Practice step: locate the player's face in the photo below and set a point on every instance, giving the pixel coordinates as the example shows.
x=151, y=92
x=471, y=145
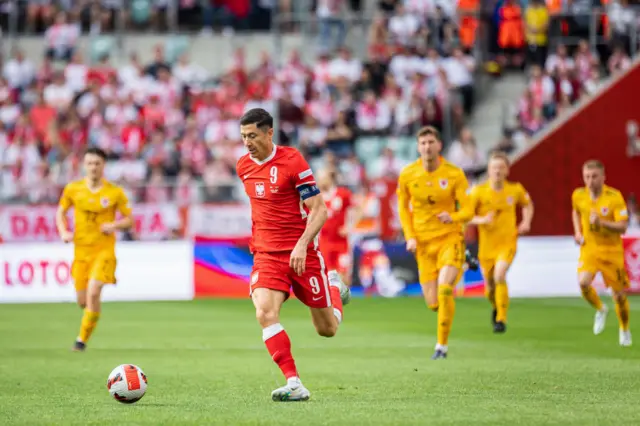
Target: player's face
x=324, y=180
x=429, y=147
x=93, y=166
x=257, y=141
x=593, y=178
x=498, y=170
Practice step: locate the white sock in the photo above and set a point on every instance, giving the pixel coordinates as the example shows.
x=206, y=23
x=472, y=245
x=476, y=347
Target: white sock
x=293, y=382
x=270, y=331
x=442, y=348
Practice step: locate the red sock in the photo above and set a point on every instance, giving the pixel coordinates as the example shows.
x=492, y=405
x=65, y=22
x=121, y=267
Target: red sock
x=336, y=302
x=279, y=347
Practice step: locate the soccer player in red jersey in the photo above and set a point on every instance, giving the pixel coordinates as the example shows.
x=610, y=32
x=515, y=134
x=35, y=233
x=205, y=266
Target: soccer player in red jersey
x=287, y=212
x=342, y=213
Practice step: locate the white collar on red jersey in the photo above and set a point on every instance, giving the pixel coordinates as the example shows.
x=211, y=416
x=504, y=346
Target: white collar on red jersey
x=266, y=160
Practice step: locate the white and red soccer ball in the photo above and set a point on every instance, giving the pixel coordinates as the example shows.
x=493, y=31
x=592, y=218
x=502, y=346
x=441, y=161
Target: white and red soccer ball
x=127, y=383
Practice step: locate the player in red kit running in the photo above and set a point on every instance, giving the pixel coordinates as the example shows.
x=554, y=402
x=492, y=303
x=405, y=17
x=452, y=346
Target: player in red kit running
x=334, y=235
x=287, y=212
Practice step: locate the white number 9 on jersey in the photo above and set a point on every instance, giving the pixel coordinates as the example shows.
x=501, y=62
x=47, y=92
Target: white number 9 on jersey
x=273, y=173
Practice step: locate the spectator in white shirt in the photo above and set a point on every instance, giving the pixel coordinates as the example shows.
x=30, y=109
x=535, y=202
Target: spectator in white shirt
x=75, y=73
x=402, y=66
x=403, y=26
x=61, y=38
x=386, y=165
x=345, y=66
x=559, y=61
x=58, y=94
x=329, y=12
x=372, y=115
x=19, y=71
x=188, y=73
x=459, y=68
x=465, y=154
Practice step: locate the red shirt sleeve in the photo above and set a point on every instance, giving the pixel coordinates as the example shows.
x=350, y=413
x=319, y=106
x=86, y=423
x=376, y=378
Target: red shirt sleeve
x=301, y=173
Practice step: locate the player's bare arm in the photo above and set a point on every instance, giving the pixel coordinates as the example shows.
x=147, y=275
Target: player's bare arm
x=527, y=217
x=466, y=210
x=118, y=225
x=619, y=226
x=61, y=223
x=406, y=217
x=483, y=220
x=316, y=218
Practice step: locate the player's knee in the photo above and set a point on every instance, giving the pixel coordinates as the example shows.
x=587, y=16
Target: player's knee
x=82, y=304
x=327, y=330
x=620, y=297
x=266, y=317
x=585, y=285
x=445, y=290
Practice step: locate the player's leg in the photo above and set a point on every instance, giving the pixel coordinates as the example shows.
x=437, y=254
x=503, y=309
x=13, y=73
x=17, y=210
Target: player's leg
x=102, y=272
x=428, y=276
x=487, y=268
x=615, y=277
x=450, y=261
x=587, y=270
x=501, y=290
x=80, y=273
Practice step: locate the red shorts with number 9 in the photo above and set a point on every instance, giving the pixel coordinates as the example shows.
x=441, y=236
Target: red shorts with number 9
x=272, y=271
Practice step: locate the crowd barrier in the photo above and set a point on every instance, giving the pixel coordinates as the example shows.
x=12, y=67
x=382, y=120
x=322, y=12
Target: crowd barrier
x=184, y=270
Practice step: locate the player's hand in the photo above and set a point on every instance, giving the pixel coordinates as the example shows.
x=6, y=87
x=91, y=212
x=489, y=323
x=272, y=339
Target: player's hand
x=67, y=236
x=445, y=217
x=108, y=228
x=343, y=232
x=298, y=258
x=488, y=219
x=594, y=219
x=524, y=228
x=578, y=238
x=412, y=245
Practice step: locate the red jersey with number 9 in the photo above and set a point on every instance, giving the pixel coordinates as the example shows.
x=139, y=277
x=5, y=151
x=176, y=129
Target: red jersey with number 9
x=278, y=215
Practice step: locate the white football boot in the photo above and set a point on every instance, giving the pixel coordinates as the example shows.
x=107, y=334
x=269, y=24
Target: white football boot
x=294, y=390
x=345, y=291
x=625, y=338
x=600, y=320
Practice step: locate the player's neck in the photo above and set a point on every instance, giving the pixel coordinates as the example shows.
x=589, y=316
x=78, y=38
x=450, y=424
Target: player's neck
x=595, y=194
x=267, y=154
x=431, y=165
x=92, y=184
x=496, y=185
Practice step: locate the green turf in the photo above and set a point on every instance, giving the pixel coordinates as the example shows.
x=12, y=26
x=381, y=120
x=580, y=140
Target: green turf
x=207, y=365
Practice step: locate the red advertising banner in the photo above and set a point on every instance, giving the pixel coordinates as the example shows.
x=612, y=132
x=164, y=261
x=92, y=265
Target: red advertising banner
x=632, y=262
x=602, y=129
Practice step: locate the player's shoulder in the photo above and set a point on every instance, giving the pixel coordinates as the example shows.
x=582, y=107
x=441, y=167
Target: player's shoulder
x=611, y=192
x=72, y=187
x=243, y=162
x=579, y=193
x=451, y=169
x=288, y=155
x=480, y=188
x=514, y=186
x=410, y=169
x=113, y=187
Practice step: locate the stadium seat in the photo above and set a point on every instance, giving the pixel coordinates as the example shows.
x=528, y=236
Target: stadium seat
x=140, y=11
x=368, y=148
x=404, y=148
x=174, y=47
x=101, y=46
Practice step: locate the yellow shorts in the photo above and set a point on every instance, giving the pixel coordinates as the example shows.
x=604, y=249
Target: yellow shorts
x=500, y=253
x=434, y=255
x=610, y=265
x=100, y=268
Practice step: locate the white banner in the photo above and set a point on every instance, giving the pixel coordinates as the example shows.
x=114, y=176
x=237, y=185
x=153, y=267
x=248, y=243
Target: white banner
x=31, y=273
x=219, y=221
x=38, y=223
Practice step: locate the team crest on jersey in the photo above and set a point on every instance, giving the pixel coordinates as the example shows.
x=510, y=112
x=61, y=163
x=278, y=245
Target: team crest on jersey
x=259, y=189
x=605, y=211
x=104, y=202
x=336, y=203
x=510, y=200
x=444, y=183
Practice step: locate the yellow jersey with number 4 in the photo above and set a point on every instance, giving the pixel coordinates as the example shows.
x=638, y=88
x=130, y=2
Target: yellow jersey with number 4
x=92, y=209
x=503, y=230
x=609, y=206
x=422, y=195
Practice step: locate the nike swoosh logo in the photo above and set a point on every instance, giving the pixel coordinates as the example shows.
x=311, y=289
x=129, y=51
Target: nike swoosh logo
x=315, y=299
x=246, y=176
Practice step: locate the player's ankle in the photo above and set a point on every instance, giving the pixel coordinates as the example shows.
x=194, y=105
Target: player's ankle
x=294, y=381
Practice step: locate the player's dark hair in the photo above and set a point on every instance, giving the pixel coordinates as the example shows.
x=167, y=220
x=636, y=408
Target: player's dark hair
x=429, y=131
x=258, y=116
x=96, y=151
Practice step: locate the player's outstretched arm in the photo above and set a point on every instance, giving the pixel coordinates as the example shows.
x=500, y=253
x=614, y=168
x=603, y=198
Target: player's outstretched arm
x=315, y=219
x=527, y=218
x=404, y=210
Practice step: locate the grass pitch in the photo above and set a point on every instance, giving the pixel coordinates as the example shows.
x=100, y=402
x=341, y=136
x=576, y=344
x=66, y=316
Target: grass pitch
x=207, y=365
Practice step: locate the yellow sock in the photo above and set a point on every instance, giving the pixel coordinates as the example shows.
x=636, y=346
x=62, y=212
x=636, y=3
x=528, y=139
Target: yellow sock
x=591, y=296
x=622, y=311
x=433, y=307
x=502, y=301
x=446, y=312
x=88, y=324
x=490, y=294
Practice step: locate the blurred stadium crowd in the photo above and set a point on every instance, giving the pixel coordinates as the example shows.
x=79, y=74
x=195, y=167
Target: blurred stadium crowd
x=171, y=129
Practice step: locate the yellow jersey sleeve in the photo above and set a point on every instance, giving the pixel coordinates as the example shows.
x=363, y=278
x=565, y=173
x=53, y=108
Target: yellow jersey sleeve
x=404, y=207
x=122, y=204
x=620, y=212
x=66, y=199
x=523, y=197
x=461, y=192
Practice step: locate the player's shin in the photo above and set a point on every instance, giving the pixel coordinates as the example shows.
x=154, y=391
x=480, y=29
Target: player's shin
x=591, y=295
x=501, y=301
x=88, y=324
x=335, y=288
x=446, y=312
x=279, y=347
x=622, y=311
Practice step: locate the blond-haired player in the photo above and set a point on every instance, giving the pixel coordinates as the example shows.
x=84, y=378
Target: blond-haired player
x=432, y=203
x=494, y=203
x=95, y=202
x=600, y=218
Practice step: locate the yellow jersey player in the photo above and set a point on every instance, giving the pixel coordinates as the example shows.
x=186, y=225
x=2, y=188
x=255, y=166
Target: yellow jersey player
x=95, y=202
x=428, y=192
x=600, y=218
x=494, y=203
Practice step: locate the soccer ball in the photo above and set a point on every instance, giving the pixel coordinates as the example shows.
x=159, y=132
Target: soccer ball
x=127, y=383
